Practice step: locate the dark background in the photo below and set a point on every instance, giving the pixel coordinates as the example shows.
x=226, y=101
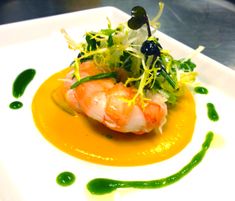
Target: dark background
x=194, y=22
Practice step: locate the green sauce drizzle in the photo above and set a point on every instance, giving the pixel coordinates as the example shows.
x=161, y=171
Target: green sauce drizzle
x=211, y=112
x=21, y=82
x=201, y=90
x=101, y=186
x=65, y=179
x=16, y=105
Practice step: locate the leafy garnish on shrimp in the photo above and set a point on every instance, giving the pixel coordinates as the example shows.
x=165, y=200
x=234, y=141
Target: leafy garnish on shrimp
x=123, y=77
x=132, y=49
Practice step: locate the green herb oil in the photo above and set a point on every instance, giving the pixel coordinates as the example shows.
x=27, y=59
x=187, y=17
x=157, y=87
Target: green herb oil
x=211, y=112
x=65, y=179
x=101, y=186
x=201, y=90
x=22, y=81
x=16, y=105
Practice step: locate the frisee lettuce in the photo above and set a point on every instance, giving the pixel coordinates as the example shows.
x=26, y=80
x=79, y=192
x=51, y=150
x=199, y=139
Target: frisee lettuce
x=147, y=69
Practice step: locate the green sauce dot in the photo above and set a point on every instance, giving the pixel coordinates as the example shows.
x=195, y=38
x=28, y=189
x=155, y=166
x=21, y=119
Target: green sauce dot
x=16, y=105
x=65, y=179
x=211, y=112
x=201, y=90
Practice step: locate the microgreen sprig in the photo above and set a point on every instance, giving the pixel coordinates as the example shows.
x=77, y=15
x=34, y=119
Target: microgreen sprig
x=138, y=19
x=151, y=49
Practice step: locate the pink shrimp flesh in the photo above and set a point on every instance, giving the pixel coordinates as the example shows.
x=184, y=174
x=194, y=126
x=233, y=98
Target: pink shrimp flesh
x=106, y=101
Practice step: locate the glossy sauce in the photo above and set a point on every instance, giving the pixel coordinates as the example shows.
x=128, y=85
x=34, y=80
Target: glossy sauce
x=101, y=186
x=22, y=81
x=16, y=105
x=65, y=178
x=201, y=90
x=89, y=140
x=19, y=85
x=211, y=112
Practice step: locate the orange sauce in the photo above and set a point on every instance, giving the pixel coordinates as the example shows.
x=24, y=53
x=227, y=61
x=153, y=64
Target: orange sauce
x=89, y=140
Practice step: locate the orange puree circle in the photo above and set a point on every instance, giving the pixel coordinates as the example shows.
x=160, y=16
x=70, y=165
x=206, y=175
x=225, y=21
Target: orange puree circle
x=91, y=141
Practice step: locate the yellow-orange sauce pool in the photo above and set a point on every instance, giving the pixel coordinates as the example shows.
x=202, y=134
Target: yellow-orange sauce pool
x=86, y=139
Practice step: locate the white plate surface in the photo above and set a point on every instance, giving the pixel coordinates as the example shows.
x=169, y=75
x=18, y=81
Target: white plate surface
x=29, y=164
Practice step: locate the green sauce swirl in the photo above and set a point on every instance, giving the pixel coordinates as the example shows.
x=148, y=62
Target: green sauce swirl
x=101, y=186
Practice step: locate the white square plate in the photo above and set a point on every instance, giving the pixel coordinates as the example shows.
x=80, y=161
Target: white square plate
x=29, y=164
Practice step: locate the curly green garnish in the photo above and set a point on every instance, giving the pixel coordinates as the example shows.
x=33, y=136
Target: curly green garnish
x=132, y=49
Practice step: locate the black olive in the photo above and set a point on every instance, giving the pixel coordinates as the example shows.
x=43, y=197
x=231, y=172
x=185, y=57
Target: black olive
x=150, y=47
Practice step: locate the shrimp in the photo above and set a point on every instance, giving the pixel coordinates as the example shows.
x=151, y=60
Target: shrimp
x=106, y=101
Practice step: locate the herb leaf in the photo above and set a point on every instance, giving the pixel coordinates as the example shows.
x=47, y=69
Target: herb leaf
x=110, y=41
x=91, y=42
x=138, y=19
x=186, y=66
